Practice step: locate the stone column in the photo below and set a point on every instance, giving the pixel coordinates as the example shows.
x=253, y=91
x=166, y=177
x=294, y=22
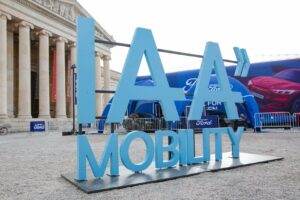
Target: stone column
x=60, y=78
x=24, y=70
x=44, y=86
x=10, y=74
x=98, y=82
x=73, y=61
x=106, y=97
x=3, y=64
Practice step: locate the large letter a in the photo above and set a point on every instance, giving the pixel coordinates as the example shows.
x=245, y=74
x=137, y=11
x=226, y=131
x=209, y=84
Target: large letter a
x=213, y=59
x=143, y=43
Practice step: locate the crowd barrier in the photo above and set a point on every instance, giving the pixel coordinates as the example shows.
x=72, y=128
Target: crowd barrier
x=144, y=124
x=152, y=124
x=296, y=120
x=283, y=120
x=273, y=120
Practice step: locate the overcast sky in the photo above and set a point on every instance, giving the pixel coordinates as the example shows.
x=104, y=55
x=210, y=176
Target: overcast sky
x=263, y=27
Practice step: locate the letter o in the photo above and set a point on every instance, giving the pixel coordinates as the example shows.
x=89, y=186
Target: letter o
x=125, y=147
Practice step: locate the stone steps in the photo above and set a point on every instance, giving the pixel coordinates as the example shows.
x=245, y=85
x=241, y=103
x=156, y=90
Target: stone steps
x=23, y=125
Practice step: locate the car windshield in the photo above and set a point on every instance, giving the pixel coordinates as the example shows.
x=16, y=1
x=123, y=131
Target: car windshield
x=289, y=75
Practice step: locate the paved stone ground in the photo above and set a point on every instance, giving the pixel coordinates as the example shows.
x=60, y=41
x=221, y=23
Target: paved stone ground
x=31, y=164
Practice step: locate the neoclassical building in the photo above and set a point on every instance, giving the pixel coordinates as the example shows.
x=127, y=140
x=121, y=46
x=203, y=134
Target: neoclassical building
x=37, y=49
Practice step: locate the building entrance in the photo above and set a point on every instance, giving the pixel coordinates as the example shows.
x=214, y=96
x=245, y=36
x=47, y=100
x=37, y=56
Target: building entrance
x=34, y=94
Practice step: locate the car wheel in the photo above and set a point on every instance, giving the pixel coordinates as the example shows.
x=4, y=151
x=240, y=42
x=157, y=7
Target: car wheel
x=3, y=131
x=296, y=106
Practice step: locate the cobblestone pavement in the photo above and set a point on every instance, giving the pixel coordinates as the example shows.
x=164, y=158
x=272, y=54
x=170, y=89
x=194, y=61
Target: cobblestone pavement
x=31, y=165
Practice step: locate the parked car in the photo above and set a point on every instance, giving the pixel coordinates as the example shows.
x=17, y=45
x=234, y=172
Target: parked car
x=280, y=92
x=4, y=128
x=143, y=121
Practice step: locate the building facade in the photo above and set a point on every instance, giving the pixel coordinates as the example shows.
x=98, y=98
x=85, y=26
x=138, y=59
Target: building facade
x=38, y=48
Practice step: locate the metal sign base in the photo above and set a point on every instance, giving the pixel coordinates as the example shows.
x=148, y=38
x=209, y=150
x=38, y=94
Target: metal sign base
x=151, y=174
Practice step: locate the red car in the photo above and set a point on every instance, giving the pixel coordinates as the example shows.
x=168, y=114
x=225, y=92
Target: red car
x=280, y=92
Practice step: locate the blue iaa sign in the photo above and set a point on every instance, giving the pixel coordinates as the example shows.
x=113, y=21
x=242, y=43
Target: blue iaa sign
x=181, y=145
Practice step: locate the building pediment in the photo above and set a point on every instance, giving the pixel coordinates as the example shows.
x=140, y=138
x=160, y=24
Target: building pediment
x=69, y=10
x=66, y=9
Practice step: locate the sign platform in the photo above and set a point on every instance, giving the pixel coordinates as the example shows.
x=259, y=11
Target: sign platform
x=151, y=174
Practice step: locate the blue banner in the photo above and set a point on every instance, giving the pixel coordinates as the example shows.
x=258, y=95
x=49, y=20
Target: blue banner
x=211, y=121
x=37, y=126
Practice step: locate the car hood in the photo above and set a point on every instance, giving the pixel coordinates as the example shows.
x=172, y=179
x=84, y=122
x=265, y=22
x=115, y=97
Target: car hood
x=275, y=83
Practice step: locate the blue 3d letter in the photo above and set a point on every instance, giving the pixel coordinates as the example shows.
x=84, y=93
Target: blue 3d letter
x=143, y=43
x=213, y=59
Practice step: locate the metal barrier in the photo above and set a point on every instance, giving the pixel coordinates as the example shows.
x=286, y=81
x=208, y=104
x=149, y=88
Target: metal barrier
x=296, y=120
x=144, y=124
x=152, y=124
x=272, y=120
x=262, y=120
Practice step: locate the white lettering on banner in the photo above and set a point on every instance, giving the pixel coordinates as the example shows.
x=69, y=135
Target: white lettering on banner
x=39, y=126
x=211, y=105
x=189, y=83
x=204, y=122
x=192, y=81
